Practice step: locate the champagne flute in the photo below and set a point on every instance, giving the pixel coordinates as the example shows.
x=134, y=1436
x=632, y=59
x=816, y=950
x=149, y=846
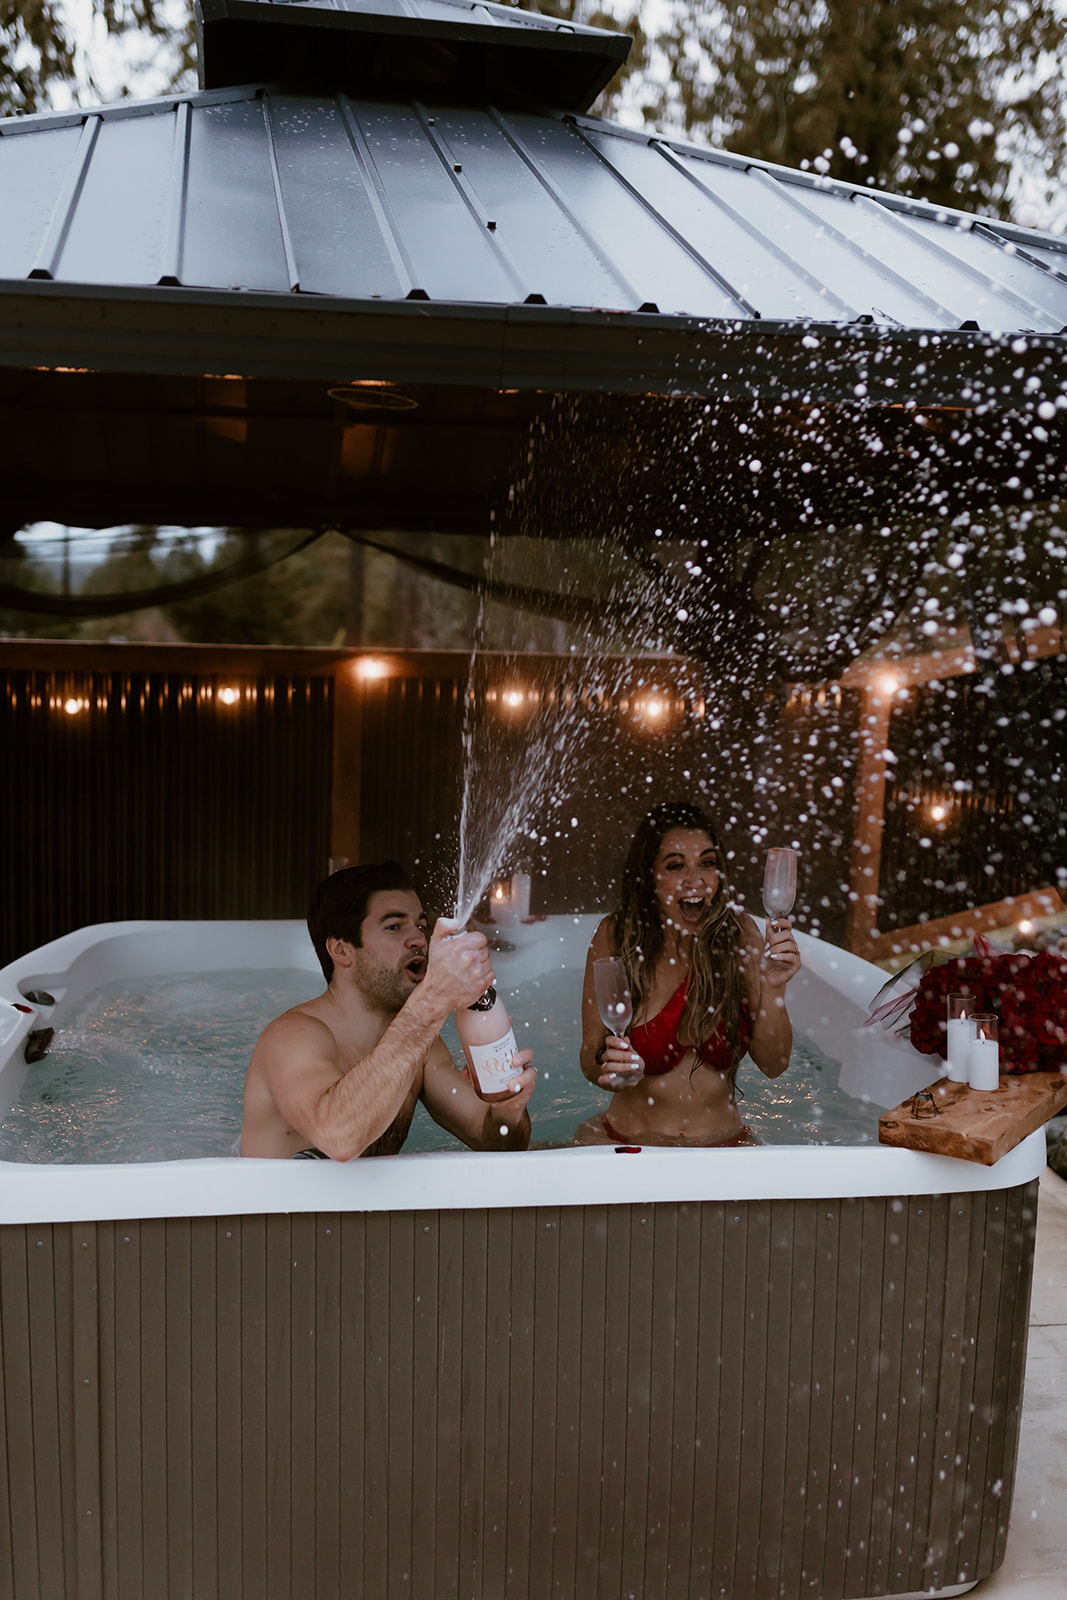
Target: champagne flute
x=615, y=1004
x=613, y=998
x=779, y=887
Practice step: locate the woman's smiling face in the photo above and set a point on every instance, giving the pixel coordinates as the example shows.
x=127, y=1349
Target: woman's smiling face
x=687, y=878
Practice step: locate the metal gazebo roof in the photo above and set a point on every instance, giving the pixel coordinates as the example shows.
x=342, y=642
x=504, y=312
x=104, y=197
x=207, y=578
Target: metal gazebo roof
x=413, y=195
x=464, y=48
x=488, y=240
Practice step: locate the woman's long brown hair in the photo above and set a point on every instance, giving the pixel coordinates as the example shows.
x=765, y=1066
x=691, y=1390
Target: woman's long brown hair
x=715, y=992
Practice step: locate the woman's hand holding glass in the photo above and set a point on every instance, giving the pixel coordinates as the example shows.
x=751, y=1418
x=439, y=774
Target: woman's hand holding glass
x=622, y=1065
x=781, y=958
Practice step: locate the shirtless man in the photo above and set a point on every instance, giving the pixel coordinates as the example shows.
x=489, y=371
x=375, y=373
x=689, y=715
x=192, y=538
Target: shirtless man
x=339, y=1076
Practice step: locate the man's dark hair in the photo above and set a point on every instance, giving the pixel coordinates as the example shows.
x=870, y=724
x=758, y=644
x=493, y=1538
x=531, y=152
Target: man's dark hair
x=339, y=904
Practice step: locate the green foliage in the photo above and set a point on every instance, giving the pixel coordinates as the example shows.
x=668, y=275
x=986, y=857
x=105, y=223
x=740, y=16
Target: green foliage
x=38, y=46
x=626, y=20
x=933, y=98
x=300, y=601
x=33, y=33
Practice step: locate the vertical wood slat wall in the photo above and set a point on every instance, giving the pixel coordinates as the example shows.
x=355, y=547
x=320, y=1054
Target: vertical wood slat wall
x=683, y=1402
x=155, y=798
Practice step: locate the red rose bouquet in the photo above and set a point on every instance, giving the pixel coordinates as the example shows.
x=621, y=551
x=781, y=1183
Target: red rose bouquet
x=1027, y=992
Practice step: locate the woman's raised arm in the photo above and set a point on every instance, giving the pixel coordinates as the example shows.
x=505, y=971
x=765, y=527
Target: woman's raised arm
x=765, y=979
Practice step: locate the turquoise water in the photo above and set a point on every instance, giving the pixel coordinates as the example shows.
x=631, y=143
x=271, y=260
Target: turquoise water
x=155, y=1073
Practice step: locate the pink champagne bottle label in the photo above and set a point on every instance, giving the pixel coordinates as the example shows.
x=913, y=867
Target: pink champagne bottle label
x=494, y=1063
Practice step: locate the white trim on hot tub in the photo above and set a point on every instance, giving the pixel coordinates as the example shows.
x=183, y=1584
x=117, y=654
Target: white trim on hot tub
x=462, y=1181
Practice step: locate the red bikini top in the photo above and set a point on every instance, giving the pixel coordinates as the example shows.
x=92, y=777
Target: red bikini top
x=656, y=1041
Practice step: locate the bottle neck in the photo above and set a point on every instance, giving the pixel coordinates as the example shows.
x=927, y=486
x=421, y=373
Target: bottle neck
x=486, y=1002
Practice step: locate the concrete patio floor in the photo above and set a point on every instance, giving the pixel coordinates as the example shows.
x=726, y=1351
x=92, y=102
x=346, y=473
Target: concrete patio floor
x=1035, y=1565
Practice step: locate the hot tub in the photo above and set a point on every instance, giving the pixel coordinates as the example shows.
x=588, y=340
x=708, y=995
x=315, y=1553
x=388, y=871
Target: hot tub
x=710, y=1375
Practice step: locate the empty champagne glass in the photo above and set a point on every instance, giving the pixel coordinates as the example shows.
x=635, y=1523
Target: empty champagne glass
x=613, y=998
x=779, y=886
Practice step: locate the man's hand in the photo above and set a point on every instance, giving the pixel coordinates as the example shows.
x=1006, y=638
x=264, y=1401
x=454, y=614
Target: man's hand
x=450, y=1098
x=507, y=1125
x=458, y=970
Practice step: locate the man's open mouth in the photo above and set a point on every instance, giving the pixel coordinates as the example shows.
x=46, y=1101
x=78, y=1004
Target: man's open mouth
x=416, y=967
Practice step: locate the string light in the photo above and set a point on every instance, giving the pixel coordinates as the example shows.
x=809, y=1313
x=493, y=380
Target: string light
x=370, y=667
x=229, y=695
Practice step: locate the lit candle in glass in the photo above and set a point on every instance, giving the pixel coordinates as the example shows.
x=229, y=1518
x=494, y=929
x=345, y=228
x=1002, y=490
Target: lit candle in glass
x=960, y=1033
x=500, y=900
x=985, y=1054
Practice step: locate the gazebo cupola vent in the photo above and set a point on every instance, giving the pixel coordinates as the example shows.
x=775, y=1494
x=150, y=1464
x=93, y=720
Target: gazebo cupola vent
x=458, y=50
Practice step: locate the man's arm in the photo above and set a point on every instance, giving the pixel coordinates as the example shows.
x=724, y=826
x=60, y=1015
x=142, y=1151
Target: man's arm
x=339, y=1112
x=342, y=1112
x=450, y=1099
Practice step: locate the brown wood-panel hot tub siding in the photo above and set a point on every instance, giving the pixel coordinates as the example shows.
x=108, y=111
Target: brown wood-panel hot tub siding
x=690, y=1401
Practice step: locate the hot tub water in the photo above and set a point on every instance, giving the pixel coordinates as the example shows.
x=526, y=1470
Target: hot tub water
x=155, y=1072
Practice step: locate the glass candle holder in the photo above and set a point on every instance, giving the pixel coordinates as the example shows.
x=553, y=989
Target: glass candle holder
x=960, y=1028
x=500, y=899
x=984, y=1070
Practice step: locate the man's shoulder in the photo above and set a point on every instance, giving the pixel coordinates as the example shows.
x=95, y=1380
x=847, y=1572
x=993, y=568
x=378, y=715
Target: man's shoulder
x=298, y=1028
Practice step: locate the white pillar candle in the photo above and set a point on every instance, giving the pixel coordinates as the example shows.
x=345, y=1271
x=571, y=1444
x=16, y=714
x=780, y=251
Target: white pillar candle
x=984, y=1070
x=520, y=895
x=500, y=900
x=960, y=1035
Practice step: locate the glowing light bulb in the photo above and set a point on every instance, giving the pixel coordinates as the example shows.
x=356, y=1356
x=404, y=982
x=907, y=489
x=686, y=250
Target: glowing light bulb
x=229, y=695
x=887, y=682
x=368, y=667
x=655, y=708
x=1026, y=926
x=73, y=706
x=938, y=813
x=513, y=697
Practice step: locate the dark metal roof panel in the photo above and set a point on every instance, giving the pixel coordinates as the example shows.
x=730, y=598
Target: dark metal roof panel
x=266, y=191
x=476, y=13
x=468, y=49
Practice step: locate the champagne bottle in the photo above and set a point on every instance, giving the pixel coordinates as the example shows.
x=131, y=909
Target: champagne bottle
x=489, y=1045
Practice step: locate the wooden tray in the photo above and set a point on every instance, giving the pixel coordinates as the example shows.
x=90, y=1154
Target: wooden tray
x=975, y=1124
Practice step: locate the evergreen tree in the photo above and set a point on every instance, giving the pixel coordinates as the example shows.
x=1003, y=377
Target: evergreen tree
x=34, y=34
x=38, y=47
x=624, y=19
x=933, y=98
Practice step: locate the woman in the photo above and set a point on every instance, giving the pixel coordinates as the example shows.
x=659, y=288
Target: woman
x=706, y=989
